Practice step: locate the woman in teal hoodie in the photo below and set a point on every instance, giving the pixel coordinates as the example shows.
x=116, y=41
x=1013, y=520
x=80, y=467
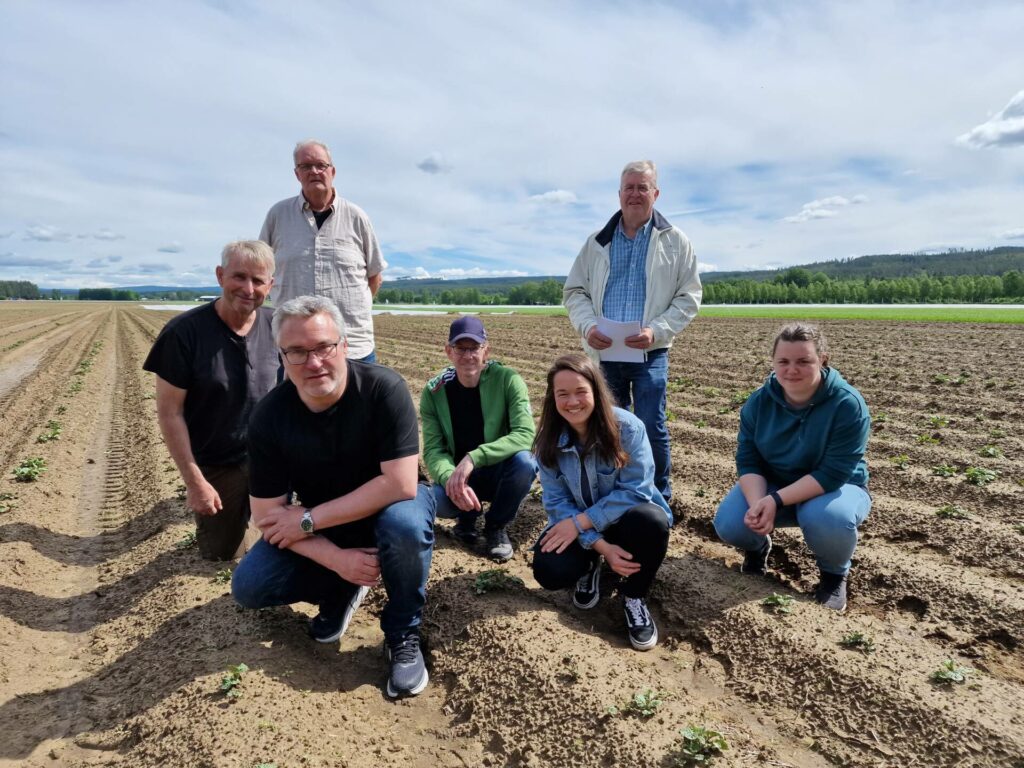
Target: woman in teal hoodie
x=800, y=458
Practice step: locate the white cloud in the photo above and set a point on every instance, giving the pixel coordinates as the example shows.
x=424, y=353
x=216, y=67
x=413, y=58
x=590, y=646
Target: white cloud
x=106, y=234
x=1003, y=129
x=702, y=267
x=46, y=233
x=825, y=208
x=1013, y=234
x=174, y=247
x=15, y=260
x=394, y=273
x=555, y=197
x=459, y=273
x=434, y=163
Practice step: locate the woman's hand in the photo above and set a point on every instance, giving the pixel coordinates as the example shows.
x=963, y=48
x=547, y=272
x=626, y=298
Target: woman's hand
x=619, y=560
x=760, y=518
x=559, y=536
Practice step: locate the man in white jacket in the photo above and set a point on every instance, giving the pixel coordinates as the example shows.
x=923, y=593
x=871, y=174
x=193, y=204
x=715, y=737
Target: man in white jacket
x=638, y=268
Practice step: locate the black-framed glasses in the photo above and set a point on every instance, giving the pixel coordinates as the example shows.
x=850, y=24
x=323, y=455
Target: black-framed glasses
x=467, y=350
x=307, y=167
x=320, y=352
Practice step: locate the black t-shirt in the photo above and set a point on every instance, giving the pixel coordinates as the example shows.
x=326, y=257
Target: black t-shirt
x=224, y=376
x=322, y=456
x=467, y=417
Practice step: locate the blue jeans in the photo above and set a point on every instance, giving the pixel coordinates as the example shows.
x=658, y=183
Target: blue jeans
x=504, y=484
x=370, y=358
x=640, y=387
x=829, y=523
x=404, y=534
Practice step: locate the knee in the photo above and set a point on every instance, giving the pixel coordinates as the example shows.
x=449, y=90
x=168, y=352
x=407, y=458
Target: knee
x=523, y=464
x=649, y=519
x=828, y=517
x=546, y=571
x=728, y=521
x=407, y=526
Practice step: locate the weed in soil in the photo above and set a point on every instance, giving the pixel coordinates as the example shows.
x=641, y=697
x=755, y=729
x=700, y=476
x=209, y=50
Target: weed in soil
x=929, y=439
x=949, y=672
x=938, y=422
x=944, y=470
x=902, y=461
x=952, y=512
x=643, y=704
x=188, y=540
x=496, y=580
x=980, y=476
x=700, y=745
x=858, y=641
x=29, y=470
x=222, y=576
x=53, y=433
x=990, y=452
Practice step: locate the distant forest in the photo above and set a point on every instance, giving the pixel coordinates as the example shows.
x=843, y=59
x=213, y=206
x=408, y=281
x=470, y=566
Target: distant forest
x=958, y=276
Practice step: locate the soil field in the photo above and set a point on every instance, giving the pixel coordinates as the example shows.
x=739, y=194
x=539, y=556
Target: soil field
x=115, y=636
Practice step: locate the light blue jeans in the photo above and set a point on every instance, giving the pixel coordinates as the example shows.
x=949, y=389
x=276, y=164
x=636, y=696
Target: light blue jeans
x=829, y=523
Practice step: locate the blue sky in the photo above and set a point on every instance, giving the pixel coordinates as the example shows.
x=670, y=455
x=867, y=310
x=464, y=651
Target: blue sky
x=486, y=139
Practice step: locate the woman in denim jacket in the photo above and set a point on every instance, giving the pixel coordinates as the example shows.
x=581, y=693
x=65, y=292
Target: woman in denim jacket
x=597, y=473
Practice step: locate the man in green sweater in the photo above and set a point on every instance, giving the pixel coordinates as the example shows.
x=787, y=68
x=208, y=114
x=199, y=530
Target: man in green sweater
x=477, y=434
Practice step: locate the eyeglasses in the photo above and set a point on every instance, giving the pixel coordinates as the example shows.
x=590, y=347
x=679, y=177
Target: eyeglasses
x=320, y=352
x=643, y=189
x=467, y=350
x=307, y=167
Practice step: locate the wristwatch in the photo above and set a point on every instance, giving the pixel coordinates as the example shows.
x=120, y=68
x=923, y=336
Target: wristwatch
x=307, y=520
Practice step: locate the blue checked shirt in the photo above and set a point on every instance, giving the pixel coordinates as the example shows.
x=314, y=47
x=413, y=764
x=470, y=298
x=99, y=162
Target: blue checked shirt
x=626, y=291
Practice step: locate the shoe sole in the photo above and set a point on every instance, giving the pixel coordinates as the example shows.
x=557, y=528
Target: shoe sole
x=353, y=606
x=645, y=646
x=416, y=689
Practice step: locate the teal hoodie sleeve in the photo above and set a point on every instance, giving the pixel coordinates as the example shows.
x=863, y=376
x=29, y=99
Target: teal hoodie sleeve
x=846, y=444
x=748, y=459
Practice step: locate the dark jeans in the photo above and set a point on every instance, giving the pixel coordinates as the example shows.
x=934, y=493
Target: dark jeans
x=504, y=485
x=640, y=387
x=404, y=534
x=642, y=531
x=219, y=536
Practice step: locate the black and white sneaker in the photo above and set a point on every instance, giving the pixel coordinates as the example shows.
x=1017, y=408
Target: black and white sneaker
x=588, y=588
x=407, y=675
x=755, y=561
x=330, y=624
x=643, y=635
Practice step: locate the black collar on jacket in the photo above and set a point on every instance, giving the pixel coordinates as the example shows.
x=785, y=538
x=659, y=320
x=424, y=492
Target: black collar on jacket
x=605, y=235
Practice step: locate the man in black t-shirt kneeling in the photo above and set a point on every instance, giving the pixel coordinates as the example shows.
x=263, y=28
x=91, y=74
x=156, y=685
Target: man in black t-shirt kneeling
x=342, y=435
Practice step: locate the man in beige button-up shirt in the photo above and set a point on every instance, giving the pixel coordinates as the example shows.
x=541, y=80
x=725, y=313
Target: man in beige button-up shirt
x=326, y=246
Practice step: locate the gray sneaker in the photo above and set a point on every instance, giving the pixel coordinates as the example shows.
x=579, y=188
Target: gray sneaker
x=330, y=624
x=498, y=546
x=407, y=675
x=831, y=591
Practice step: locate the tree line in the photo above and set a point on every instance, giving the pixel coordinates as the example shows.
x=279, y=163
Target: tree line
x=18, y=289
x=532, y=293
x=107, y=294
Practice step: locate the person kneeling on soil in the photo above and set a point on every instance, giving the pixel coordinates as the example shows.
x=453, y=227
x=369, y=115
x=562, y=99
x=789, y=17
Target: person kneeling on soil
x=212, y=365
x=342, y=435
x=477, y=434
x=800, y=458
x=597, y=474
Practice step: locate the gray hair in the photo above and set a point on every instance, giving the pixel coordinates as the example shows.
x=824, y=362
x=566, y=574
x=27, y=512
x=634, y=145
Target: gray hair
x=641, y=166
x=252, y=251
x=305, y=307
x=310, y=143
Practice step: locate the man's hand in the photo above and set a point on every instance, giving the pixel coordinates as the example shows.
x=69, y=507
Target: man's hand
x=598, y=340
x=282, y=526
x=619, y=560
x=458, y=490
x=760, y=518
x=359, y=565
x=642, y=340
x=202, y=498
x=559, y=536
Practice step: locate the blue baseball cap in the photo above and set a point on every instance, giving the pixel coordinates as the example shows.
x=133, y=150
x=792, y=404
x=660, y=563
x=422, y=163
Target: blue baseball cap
x=467, y=327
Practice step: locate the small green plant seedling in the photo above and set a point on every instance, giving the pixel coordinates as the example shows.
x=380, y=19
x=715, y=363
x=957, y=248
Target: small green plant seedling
x=642, y=704
x=938, y=422
x=902, y=461
x=723, y=410
x=944, y=470
x=701, y=423
x=700, y=493
x=699, y=746
x=997, y=433
x=61, y=410
x=52, y=433
x=940, y=378
x=980, y=476
x=990, y=452
x=949, y=672
x=951, y=512
x=29, y=470
x=4, y=506
x=265, y=765
x=881, y=417
x=231, y=682
x=779, y=603
x=222, y=576
x=928, y=439
x=740, y=398
x=1019, y=528
x=188, y=540
x=858, y=641
x=496, y=580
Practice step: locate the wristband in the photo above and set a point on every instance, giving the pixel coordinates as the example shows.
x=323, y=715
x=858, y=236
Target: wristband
x=777, y=499
x=577, y=524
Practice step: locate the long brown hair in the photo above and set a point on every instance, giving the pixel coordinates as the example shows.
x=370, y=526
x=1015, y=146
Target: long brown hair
x=602, y=428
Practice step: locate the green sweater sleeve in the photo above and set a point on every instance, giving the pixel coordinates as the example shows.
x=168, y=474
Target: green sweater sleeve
x=437, y=454
x=516, y=404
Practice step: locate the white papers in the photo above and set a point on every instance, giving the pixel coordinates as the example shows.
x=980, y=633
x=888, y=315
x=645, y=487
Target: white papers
x=618, y=352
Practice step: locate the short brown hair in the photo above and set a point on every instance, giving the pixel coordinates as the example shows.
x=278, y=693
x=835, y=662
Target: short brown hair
x=804, y=332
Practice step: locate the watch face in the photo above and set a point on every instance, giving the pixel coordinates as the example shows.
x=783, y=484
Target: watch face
x=307, y=522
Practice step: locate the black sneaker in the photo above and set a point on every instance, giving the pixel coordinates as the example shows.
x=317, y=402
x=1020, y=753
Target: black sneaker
x=467, y=534
x=755, y=561
x=498, y=546
x=831, y=591
x=330, y=624
x=643, y=635
x=588, y=588
x=408, y=673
